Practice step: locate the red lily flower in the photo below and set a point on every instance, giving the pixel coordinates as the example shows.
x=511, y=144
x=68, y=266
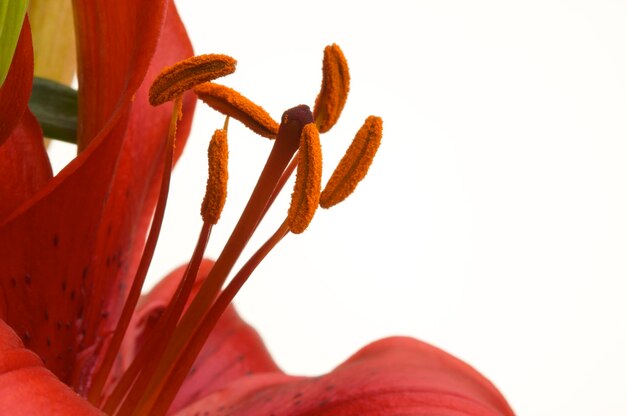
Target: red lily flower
x=71, y=247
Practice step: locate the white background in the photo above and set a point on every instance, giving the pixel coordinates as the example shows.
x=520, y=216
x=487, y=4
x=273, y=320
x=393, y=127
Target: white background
x=493, y=221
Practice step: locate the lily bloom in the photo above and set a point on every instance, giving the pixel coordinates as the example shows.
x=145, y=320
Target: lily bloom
x=75, y=338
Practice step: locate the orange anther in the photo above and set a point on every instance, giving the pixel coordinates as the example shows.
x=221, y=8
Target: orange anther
x=334, y=91
x=354, y=165
x=215, y=195
x=306, y=192
x=186, y=74
x=229, y=102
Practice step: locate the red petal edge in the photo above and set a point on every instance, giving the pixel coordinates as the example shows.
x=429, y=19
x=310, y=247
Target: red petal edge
x=28, y=388
x=15, y=91
x=25, y=165
x=394, y=376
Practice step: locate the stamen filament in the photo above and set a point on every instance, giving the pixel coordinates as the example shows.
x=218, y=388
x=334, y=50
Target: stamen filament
x=162, y=400
x=102, y=373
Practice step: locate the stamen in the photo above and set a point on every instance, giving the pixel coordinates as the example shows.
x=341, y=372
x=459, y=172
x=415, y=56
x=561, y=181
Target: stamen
x=354, y=165
x=306, y=193
x=215, y=195
x=186, y=74
x=334, y=91
x=229, y=102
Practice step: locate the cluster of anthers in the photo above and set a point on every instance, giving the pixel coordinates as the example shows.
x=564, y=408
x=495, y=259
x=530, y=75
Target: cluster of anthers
x=151, y=382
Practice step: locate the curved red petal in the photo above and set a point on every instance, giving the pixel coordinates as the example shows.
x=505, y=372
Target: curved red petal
x=233, y=350
x=28, y=388
x=394, y=376
x=69, y=252
x=25, y=164
x=15, y=91
x=116, y=40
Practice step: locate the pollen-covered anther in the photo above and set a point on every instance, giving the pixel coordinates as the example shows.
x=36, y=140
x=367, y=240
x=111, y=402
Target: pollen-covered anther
x=215, y=195
x=355, y=163
x=306, y=192
x=229, y=102
x=334, y=91
x=186, y=74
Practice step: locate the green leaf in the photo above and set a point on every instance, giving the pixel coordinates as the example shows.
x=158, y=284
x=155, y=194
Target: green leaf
x=12, y=14
x=56, y=107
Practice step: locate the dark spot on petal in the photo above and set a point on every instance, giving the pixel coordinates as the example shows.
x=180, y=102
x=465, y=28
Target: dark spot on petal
x=46, y=316
x=297, y=402
x=28, y=279
x=72, y=294
x=48, y=341
x=59, y=325
x=322, y=403
x=55, y=240
x=104, y=314
x=329, y=387
x=13, y=282
x=26, y=337
x=64, y=285
x=85, y=271
x=68, y=325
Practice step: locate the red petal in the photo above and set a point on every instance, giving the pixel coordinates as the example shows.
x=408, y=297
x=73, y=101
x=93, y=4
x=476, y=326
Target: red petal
x=28, y=388
x=116, y=40
x=68, y=253
x=25, y=164
x=233, y=350
x=395, y=376
x=15, y=91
